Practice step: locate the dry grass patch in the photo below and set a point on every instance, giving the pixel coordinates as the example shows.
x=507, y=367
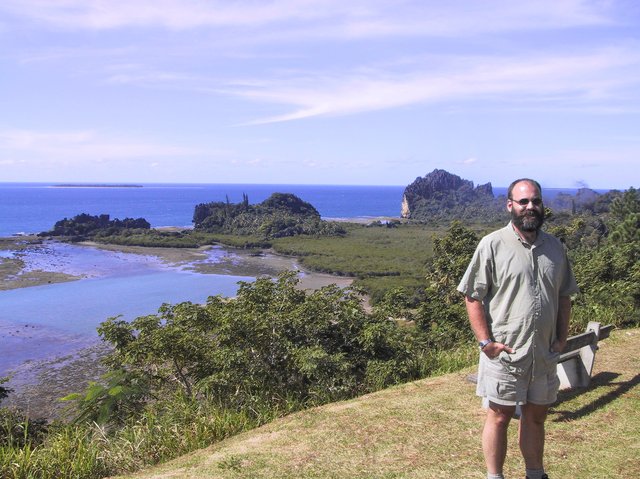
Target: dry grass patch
x=431, y=429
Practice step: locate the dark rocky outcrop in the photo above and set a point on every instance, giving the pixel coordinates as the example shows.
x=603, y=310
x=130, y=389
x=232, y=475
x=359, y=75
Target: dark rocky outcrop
x=440, y=192
x=84, y=226
x=280, y=215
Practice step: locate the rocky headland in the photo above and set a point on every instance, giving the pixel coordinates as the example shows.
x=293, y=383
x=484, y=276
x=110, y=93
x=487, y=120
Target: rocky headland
x=440, y=192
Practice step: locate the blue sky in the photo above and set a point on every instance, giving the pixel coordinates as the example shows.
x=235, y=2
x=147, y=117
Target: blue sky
x=320, y=91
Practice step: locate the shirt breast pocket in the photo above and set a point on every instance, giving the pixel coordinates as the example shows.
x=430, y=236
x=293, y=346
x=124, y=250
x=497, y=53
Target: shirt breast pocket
x=550, y=270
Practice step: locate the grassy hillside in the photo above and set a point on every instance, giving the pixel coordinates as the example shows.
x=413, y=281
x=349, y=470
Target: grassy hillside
x=430, y=429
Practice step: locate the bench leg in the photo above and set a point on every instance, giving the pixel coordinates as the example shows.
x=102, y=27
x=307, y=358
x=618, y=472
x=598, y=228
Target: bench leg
x=576, y=372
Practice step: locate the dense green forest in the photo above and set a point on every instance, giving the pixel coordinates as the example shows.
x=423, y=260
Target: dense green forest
x=193, y=374
x=85, y=226
x=280, y=215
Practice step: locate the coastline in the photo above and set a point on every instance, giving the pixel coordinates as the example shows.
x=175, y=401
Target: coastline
x=38, y=385
x=237, y=262
x=13, y=273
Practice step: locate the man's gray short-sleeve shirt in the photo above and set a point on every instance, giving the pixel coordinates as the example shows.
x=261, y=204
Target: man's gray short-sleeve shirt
x=520, y=286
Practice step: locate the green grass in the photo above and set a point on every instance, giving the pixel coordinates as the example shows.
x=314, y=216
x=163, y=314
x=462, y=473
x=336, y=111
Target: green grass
x=431, y=429
x=183, y=239
x=85, y=451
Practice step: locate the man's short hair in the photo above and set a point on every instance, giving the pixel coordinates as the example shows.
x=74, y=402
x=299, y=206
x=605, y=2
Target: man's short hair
x=526, y=180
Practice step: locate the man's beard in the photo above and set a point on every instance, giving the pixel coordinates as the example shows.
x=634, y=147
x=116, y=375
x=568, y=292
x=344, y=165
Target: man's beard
x=528, y=220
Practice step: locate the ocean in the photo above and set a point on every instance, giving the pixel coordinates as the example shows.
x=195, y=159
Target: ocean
x=35, y=207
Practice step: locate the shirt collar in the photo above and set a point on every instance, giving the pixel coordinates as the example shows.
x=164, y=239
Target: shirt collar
x=539, y=237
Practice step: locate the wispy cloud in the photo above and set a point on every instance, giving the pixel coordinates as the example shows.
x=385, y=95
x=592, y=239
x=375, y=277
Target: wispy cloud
x=355, y=86
x=195, y=68
x=83, y=146
x=356, y=18
x=602, y=164
x=552, y=81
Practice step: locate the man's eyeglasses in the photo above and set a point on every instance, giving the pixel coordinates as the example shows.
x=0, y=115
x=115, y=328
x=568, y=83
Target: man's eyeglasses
x=525, y=201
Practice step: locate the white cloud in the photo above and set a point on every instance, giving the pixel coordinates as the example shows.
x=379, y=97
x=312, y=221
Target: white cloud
x=171, y=14
x=205, y=64
x=8, y=162
x=552, y=81
x=356, y=18
x=82, y=146
x=601, y=165
x=343, y=90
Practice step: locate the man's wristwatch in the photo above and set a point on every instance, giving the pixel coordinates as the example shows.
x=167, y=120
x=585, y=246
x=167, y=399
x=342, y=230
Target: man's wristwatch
x=484, y=342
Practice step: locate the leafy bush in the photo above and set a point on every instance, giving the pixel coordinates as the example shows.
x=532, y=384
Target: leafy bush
x=18, y=430
x=270, y=343
x=609, y=281
x=443, y=314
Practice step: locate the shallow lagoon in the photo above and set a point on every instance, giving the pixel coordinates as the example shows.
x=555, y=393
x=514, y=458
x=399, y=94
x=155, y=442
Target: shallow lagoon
x=57, y=319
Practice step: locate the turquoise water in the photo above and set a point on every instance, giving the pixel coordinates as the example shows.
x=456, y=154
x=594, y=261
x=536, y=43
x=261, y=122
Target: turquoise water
x=45, y=321
x=51, y=320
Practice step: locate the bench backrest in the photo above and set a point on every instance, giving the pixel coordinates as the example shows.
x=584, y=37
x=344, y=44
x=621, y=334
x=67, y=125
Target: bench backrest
x=587, y=338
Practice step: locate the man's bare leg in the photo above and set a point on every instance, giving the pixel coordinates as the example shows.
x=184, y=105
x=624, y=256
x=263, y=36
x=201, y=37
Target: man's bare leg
x=532, y=434
x=494, y=436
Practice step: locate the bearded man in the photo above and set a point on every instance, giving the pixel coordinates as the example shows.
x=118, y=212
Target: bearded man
x=517, y=293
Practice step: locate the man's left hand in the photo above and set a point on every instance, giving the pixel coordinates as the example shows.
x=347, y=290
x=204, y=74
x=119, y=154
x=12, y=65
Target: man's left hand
x=558, y=346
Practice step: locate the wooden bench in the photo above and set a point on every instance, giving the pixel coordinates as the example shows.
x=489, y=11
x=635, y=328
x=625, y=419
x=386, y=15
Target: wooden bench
x=576, y=362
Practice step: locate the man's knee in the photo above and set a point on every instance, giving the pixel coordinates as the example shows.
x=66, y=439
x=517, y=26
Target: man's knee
x=534, y=413
x=500, y=415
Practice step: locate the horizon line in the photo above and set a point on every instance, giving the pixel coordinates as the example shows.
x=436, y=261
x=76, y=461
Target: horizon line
x=94, y=184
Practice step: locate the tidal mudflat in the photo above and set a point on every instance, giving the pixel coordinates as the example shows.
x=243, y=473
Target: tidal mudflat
x=54, y=295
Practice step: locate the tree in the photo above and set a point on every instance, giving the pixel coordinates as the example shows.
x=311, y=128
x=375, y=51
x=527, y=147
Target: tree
x=442, y=314
x=270, y=344
x=84, y=225
x=625, y=211
x=280, y=215
x=626, y=204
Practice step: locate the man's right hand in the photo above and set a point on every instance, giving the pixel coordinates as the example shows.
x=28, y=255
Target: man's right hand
x=493, y=350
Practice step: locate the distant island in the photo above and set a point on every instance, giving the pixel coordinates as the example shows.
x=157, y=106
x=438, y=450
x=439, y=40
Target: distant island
x=95, y=186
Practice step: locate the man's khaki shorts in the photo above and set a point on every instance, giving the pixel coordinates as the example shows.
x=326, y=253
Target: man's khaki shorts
x=498, y=385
